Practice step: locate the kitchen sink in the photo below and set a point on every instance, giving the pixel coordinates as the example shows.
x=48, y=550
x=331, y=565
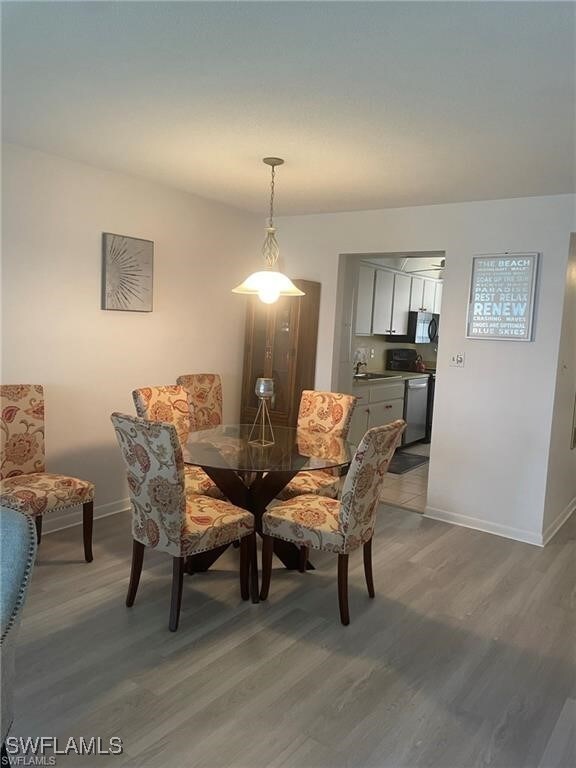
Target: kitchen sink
x=373, y=376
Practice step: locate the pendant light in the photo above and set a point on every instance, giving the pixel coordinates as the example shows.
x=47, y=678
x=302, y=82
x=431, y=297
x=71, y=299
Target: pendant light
x=268, y=284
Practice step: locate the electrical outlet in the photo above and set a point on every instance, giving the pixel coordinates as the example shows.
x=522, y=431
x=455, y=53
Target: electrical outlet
x=457, y=360
x=372, y=353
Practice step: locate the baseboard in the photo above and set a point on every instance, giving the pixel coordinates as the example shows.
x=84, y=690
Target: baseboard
x=507, y=532
x=555, y=525
x=73, y=515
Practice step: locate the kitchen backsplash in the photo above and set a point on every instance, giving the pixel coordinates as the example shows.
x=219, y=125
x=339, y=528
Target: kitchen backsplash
x=363, y=345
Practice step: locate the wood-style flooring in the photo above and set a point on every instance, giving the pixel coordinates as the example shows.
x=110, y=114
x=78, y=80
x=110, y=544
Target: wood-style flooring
x=464, y=659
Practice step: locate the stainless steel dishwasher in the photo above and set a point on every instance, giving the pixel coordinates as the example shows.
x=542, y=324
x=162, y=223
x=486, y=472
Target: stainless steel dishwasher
x=415, y=409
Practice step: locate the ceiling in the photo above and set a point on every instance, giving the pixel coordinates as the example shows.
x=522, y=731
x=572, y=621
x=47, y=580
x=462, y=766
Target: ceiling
x=373, y=105
x=422, y=263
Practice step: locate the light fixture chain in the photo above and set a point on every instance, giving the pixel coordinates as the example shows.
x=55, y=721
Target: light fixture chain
x=271, y=219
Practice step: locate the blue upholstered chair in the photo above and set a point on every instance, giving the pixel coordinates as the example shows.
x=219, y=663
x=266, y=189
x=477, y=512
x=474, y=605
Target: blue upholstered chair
x=17, y=553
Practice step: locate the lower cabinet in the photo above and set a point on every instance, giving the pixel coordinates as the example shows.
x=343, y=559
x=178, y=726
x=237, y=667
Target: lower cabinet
x=377, y=404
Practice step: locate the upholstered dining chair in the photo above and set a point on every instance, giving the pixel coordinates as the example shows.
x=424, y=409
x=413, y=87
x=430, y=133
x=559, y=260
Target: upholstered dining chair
x=24, y=483
x=326, y=413
x=337, y=526
x=204, y=397
x=17, y=552
x=167, y=517
x=170, y=404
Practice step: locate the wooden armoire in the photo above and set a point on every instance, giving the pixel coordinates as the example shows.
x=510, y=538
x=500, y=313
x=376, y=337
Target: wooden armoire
x=280, y=344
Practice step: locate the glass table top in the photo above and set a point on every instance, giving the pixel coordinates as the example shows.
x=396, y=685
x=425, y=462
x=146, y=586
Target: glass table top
x=229, y=447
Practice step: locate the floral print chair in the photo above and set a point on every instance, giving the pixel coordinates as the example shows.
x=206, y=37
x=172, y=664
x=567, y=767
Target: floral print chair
x=24, y=483
x=167, y=517
x=337, y=526
x=325, y=413
x=170, y=404
x=204, y=397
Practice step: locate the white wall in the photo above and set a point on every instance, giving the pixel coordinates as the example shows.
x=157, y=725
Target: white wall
x=561, y=487
x=54, y=332
x=493, y=419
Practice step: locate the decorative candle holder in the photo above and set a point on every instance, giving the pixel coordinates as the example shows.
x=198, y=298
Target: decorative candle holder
x=262, y=427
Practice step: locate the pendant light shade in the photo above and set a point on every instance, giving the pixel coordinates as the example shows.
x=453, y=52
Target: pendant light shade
x=269, y=284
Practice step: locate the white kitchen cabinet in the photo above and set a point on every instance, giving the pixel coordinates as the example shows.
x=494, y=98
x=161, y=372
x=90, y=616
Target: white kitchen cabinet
x=428, y=297
x=416, y=294
x=391, y=303
x=401, y=304
x=364, y=300
x=438, y=298
x=358, y=423
x=385, y=412
x=377, y=404
x=383, y=298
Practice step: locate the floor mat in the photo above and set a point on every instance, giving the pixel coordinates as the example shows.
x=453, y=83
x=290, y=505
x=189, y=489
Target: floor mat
x=404, y=462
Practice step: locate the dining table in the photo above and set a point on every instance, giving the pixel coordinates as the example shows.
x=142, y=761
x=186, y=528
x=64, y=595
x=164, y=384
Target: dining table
x=251, y=474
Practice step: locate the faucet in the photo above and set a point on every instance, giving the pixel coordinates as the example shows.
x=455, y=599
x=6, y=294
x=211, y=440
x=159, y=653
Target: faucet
x=357, y=367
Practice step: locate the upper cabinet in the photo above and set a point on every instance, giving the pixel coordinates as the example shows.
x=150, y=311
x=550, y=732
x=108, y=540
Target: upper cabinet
x=428, y=297
x=391, y=303
x=417, y=294
x=401, y=304
x=364, y=300
x=438, y=298
x=385, y=298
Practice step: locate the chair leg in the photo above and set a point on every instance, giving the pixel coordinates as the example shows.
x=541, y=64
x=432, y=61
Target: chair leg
x=267, y=552
x=136, y=570
x=254, y=588
x=244, y=568
x=368, y=568
x=38, y=523
x=343, y=589
x=177, y=582
x=87, y=522
x=303, y=559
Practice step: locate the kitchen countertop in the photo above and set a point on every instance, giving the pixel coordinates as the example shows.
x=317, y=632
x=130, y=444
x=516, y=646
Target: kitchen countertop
x=389, y=376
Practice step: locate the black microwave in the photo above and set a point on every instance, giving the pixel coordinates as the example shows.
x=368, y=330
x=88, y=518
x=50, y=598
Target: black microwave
x=423, y=327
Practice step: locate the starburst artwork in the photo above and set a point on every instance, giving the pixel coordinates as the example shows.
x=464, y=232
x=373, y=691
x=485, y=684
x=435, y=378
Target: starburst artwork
x=127, y=273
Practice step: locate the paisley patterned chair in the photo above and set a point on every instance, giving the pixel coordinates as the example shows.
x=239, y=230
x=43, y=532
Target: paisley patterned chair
x=337, y=526
x=166, y=516
x=24, y=483
x=170, y=404
x=204, y=397
x=204, y=392
x=324, y=413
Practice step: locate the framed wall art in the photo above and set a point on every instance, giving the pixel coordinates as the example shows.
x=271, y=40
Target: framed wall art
x=502, y=291
x=127, y=273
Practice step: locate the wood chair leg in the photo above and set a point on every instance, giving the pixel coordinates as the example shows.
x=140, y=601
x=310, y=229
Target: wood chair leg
x=303, y=559
x=368, y=568
x=38, y=523
x=343, y=589
x=87, y=523
x=267, y=552
x=135, y=571
x=177, y=582
x=244, y=568
x=254, y=587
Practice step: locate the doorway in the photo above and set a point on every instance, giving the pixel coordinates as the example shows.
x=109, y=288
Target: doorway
x=381, y=299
